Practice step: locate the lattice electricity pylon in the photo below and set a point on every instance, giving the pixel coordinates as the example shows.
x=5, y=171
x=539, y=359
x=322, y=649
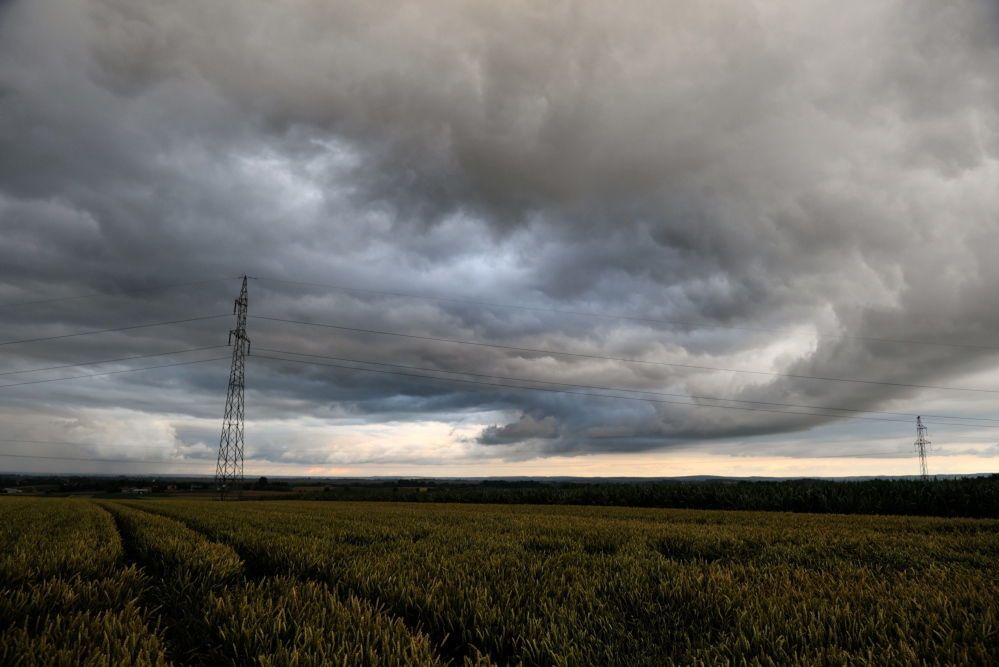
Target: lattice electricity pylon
x=921, y=445
x=229, y=471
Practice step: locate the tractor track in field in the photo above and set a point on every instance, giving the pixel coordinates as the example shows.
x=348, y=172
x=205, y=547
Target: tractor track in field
x=446, y=651
x=147, y=598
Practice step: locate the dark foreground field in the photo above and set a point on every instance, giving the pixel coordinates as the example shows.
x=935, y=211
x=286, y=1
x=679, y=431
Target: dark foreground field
x=298, y=583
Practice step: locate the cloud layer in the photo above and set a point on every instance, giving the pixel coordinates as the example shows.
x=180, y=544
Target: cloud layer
x=786, y=183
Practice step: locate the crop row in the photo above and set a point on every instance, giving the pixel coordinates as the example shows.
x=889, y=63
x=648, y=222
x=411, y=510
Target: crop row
x=216, y=616
x=74, y=593
x=292, y=583
x=66, y=597
x=565, y=586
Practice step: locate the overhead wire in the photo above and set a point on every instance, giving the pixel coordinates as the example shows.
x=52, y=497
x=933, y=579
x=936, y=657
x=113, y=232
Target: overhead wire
x=100, y=331
x=97, y=460
x=531, y=350
x=109, y=361
x=605, y=316
x=103, y=460
x=595, y=388
x=16, y=441
x=118, y=372
x=136, y=290
x=610, y=396
x=63, y=442
x=619, y=389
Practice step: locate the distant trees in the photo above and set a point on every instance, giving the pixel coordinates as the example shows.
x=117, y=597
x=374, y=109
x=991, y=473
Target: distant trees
x=967, y=497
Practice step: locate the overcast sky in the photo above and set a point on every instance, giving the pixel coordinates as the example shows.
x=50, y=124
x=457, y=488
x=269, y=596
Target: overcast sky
x=791, y=188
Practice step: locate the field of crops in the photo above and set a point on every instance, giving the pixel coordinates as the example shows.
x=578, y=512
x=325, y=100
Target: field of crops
x=302, y=583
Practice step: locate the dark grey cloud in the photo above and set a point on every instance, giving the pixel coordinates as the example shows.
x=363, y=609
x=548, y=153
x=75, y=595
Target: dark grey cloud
x=732, y=168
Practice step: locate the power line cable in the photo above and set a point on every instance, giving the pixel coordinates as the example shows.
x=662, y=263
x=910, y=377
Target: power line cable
x=104, y=446
x=63, y=442
x=531, y=350
x=604, y=316
x=99, y=331
x=108, y=361
x=127, y=370
x=621, y=389
x=72, y=444
x=595, y=395
x=98, y=295
x=103, y=460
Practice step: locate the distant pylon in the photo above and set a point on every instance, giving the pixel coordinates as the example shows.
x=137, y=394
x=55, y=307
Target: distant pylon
x=229, y=471
x=921, y=444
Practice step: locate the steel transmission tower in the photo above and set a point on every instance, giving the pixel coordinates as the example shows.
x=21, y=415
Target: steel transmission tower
x=229, y=471
x=921, y=445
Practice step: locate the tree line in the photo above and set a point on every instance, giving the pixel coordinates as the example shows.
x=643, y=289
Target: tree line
x=957, y=497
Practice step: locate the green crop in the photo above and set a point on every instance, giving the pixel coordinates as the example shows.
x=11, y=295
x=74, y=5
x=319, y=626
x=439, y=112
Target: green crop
x=283, y=621
x=49, y=537
x=67, y=596
x=600, y=586
x=311, y=583
x=217, y=617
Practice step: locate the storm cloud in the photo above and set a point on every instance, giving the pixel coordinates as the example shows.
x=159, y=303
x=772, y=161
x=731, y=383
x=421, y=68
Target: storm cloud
x=784, y=187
